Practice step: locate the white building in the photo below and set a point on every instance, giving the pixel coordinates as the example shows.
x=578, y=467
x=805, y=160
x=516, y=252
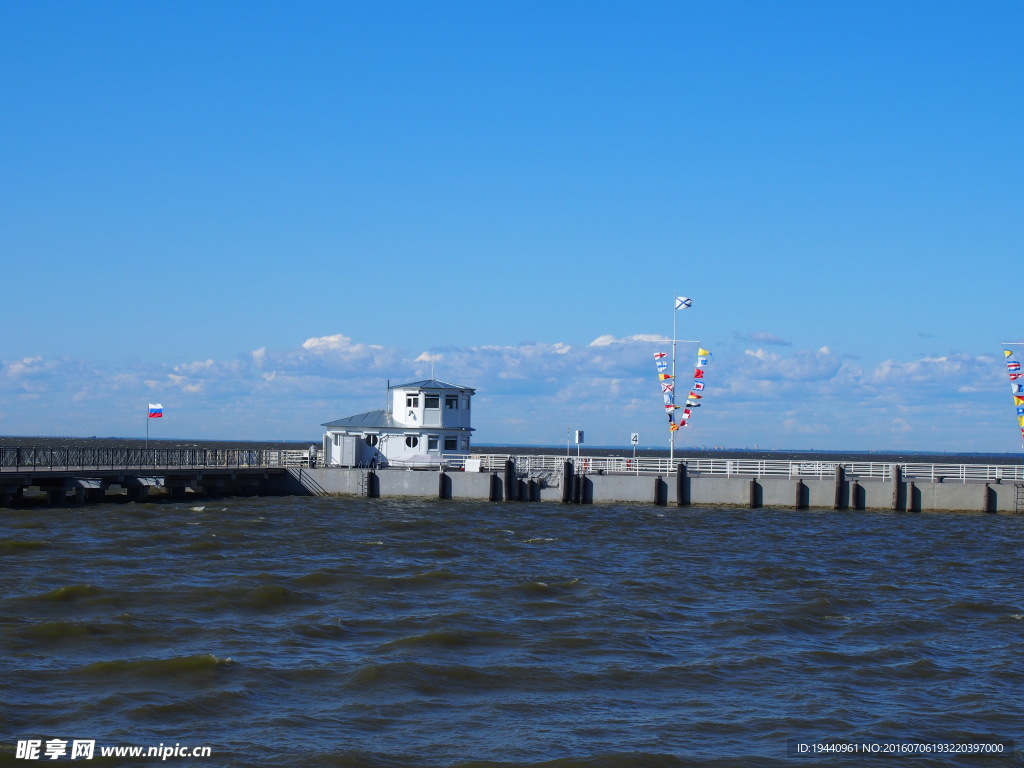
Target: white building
x=425, y=421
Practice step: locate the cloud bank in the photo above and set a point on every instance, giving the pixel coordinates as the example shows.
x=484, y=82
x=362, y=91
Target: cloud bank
x=530, y=393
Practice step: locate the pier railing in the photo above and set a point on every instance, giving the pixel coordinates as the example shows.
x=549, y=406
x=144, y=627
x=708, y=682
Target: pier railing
x=120, y=457
x=758, y=468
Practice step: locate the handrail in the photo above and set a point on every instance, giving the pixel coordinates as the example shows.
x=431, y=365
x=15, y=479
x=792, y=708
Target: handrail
x=122, y=457
x=77, y=458
x=757, y=468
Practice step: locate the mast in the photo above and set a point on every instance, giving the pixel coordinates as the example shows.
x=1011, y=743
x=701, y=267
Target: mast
x=671, y=432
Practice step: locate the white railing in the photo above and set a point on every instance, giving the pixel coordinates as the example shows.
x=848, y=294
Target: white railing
x=960, y=473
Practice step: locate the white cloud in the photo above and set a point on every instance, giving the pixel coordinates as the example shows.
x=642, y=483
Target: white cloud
x=328, y=343
x=819, y=365
x=763, y=337
x=608, y=340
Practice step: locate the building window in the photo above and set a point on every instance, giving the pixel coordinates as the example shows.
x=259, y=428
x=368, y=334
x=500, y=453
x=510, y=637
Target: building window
x=371, y=440
x=431, y=401
x=451, y=402
x=451, y=443
x=412, y=441
x=431, y=442
x=465, y=403
x=465, y=444
x=412, y=401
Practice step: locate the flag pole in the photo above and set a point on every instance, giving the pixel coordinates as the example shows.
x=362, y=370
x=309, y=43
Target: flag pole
x=147, y=428
x=672, y=432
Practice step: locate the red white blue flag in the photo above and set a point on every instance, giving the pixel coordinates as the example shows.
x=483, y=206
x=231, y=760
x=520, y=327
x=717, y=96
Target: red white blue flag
x=156, y=411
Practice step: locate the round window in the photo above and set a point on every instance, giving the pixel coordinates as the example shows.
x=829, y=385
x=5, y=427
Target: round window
x=371, y=440
x=412, y=441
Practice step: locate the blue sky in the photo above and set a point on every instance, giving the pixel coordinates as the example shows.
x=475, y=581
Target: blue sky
x=257, y=213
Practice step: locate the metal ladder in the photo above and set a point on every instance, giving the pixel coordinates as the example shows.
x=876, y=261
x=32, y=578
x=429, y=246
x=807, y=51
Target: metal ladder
x=1018, y=498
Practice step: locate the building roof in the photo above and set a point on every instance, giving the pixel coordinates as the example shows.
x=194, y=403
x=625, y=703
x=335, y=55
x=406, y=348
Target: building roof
x=433, y=384
x=370, y=420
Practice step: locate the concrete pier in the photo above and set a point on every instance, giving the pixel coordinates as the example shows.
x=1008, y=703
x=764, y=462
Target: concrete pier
x=753, y=485
x=682, y=489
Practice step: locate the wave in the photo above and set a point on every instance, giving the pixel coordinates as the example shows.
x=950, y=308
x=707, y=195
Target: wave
x=266, y=598
x=323, y=631
x=208, y=704
x=427, y=679
x=18, y=547
x=546, y=587
x=121, y=632
x=972, y=608
x=416, y=580
x=271, y=597
x=179, y=667
x=72, y=592
x=448, y=638
x=916, y=669
x=320, y=578
x=53, y=632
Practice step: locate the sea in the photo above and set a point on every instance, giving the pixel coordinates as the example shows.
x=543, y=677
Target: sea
x=418, y=633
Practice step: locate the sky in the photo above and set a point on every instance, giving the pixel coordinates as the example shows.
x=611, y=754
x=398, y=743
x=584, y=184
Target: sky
x=259, y=213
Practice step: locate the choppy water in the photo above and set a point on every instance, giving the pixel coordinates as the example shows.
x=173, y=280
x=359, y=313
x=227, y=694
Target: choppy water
x=355, y=632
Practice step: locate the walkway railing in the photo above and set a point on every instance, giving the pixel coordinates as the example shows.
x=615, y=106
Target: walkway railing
x=36, y=458
x=758, y=468
x=75, y=458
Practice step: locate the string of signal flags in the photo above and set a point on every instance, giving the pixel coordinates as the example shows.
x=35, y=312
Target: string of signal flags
x=668, y=382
